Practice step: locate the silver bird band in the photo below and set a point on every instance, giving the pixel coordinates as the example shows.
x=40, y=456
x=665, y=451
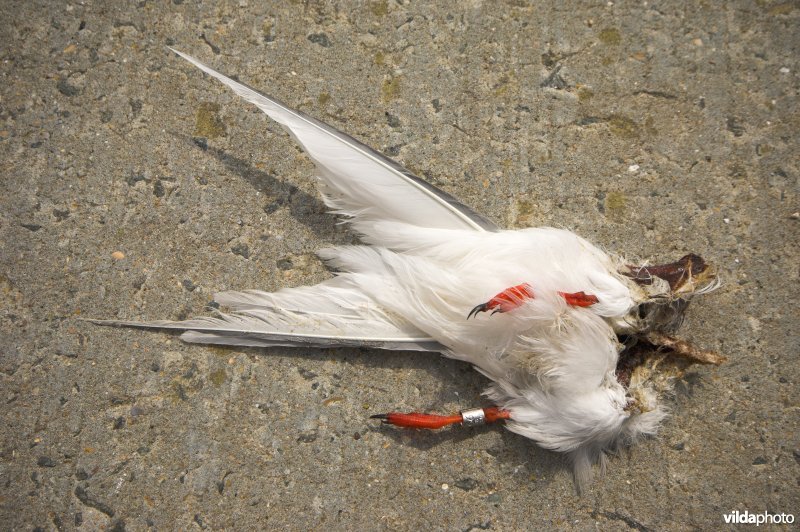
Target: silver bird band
x=474, y=416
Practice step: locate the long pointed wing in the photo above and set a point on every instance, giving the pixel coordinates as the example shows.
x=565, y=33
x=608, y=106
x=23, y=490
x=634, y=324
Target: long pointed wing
x=330, y=314
x=282, y=328
x=356, y=180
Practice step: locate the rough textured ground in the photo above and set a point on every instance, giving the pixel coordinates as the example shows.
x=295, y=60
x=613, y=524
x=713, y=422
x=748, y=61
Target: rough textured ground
x=134, y=187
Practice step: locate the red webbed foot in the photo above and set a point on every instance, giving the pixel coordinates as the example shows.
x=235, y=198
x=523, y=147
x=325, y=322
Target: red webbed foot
x=507, y=300
x=514, y=297
x=579, y=299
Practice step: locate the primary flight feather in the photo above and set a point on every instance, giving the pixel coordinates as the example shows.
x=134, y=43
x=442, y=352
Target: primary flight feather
x=560, y=326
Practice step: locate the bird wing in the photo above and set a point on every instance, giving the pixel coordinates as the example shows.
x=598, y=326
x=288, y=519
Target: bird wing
x=356, y=180
x=330, y=314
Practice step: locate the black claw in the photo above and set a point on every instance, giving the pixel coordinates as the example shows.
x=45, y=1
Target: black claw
x=382, y=417
x=479, y=308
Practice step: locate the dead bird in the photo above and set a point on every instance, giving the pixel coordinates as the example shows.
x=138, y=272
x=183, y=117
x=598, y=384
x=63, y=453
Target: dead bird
x=570, y=335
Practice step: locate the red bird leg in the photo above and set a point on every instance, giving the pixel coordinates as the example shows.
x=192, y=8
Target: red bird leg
x=417, y=420
x=513, y=297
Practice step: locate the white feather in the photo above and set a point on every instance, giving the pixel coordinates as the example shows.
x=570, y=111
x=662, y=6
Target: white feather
x=356, y=180
x=330, y=314
x=432, y=259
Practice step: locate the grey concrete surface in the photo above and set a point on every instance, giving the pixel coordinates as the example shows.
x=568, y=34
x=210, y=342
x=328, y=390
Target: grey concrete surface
x=134, y=187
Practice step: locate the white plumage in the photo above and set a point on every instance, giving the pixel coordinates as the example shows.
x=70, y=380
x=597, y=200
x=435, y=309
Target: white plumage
x=429, y=260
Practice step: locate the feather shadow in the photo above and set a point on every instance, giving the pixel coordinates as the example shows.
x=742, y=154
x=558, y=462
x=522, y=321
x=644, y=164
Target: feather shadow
x=306, y=208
